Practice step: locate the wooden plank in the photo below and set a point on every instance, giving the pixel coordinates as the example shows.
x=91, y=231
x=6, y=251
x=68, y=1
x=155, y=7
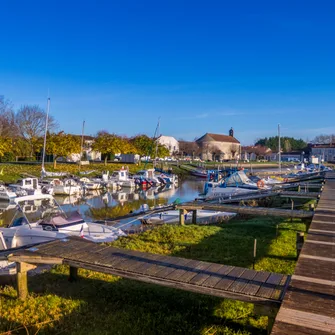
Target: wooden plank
x=198, y=266
x=175, y=275
x=307, y=320
x=314, y=280
x=172, y=267
x=318, y=258
x=227, y=281
x=215, y=278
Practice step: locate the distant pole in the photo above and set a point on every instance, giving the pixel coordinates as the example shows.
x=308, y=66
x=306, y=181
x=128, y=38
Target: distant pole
x=255, y=253
x=45, y=133
x=279, y=148
x=82, y=144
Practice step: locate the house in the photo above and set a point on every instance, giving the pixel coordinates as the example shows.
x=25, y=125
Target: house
x=326, y=152
x=218, y=147
x=255, y=152
x=170, y=143
x=87, y=154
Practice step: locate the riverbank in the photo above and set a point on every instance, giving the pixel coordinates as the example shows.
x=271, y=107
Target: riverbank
x=104, y=304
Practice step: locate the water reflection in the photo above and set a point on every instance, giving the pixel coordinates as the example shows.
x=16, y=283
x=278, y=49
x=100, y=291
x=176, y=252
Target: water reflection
x=99, y=205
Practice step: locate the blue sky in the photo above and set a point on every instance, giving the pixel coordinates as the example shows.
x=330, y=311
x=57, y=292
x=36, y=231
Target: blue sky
x=201, y=66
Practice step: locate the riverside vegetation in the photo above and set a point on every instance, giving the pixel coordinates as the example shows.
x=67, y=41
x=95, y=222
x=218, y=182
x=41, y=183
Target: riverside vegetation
x=106, y=304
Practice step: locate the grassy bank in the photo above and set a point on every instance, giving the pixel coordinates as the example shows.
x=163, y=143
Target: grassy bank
x=12, y=172
x=104, y=304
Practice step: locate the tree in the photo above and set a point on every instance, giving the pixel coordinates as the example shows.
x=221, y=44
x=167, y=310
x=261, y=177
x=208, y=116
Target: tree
x=5, y=145
x=7, y=118
x=233, y=149
x=111, y=144
x=189, y=148
x=144, y=145
x=62, y=145
x=290, y=143
x=324, y=139
x=30, y=121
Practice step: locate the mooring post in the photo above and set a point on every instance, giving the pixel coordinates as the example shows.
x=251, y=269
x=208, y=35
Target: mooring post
x=194, y=216
x=255, y=253
x=21, y=279
x=311, y=207
x=73, y=274
x=182, y=212
x=299, y=242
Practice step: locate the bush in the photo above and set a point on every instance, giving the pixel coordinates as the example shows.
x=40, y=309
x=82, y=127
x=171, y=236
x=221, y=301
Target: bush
x=7, y=157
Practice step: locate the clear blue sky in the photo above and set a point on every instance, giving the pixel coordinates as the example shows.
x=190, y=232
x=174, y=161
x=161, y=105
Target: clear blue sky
x=202, y=66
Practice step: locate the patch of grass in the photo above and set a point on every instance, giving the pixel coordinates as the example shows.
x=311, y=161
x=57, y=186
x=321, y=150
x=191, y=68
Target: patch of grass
x=105, y=304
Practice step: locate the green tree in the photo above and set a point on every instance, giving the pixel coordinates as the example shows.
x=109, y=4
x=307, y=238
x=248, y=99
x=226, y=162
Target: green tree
x=288, y=143
x=5, y=145
x=62, y=145
x=111, y=144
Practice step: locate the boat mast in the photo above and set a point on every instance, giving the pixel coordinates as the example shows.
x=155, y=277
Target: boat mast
x=279, y=148
x=45, y=135
x=82, y=143
x=156, y=139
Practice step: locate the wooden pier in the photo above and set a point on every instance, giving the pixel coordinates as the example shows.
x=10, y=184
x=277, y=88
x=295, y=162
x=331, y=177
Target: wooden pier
x=309, y=303
x=264, y=289
x=194, y=206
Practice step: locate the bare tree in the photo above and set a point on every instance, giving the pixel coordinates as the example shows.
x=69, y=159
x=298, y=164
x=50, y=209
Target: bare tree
x=188, y=148
x=30, y=121
x=234, y=149
x=7, y=118
x=324, y=139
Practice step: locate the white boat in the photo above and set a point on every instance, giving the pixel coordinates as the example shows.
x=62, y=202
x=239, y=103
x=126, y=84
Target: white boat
x=26, y=186
x=49, y=223
x=66, y=187
x=122, y=176
x=6, y=193
x=203, y=217
x=92, y=184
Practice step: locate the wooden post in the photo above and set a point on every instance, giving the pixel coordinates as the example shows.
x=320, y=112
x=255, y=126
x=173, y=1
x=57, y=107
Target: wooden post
x=21, y=279
x=255, y=252
x=299, y=242
x=292, y=208
x=194, y=216
x=182, y=212
x=299, y=188
x=73, y=274
x=311, y=207
x=276, y=232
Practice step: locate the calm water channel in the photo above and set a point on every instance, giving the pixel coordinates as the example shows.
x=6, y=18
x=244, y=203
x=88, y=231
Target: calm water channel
x=99, y=205
x=106, y=205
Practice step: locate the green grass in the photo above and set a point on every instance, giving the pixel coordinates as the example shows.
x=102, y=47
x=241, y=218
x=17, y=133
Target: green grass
x=105, y=304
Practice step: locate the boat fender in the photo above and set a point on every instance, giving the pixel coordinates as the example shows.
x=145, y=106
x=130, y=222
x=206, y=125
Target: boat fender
x=260, y=183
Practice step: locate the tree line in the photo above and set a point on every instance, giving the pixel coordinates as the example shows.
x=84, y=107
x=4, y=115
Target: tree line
x=22, y=135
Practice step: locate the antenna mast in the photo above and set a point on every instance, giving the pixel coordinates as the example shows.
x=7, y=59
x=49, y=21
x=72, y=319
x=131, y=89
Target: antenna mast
x=82, y=143
x=279, y=148
x=45, y=134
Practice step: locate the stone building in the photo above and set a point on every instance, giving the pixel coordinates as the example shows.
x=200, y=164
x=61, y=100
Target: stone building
x=218, y=147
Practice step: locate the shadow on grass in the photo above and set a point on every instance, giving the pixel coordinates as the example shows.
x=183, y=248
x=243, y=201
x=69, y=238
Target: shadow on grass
x=109, y=305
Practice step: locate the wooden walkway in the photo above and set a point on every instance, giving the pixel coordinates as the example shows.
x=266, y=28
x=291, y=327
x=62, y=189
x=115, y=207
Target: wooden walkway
x=258, y=287
x=309, y=303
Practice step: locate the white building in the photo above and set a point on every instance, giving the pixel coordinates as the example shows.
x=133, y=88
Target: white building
x=170, y=143
x=325, y=152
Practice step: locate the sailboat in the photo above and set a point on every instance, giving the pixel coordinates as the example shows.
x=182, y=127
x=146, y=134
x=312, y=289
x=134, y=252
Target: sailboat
x=43, y=172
